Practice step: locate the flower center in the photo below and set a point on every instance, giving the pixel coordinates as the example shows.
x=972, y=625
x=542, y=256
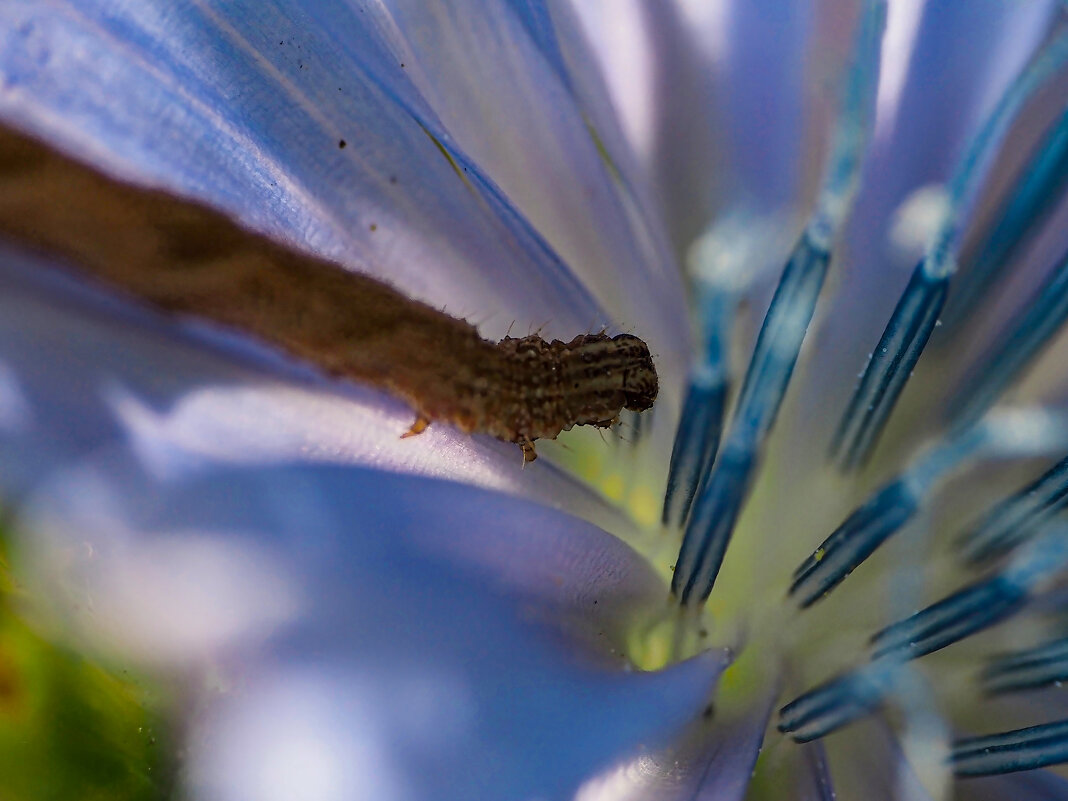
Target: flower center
x=744, y=503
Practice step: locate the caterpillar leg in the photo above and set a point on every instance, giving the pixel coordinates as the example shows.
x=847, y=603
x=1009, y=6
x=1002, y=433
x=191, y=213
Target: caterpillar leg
x=529, y=454
x=418, y=427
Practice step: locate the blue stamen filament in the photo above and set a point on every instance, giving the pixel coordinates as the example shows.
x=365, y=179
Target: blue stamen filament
x=774, y=357
x=909, y=328
x=966, y=612
x=1018, y=517
x=714, y=468
x=778, y=346
x=1009, y=433
x=1024, y=670
x=889, y=368
x=701, y=424
x=838, y=702
x=1011, y=751
x=1021, y=343
x=855, y=540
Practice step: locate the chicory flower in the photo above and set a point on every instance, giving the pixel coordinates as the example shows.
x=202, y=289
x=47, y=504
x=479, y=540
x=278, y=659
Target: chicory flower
x=341, y=613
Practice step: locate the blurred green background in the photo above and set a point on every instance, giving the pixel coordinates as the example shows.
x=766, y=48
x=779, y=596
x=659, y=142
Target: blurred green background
x=72, y=729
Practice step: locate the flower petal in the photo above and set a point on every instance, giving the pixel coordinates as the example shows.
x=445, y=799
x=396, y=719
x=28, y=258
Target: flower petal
x=516, y=87
x=870, y=764
x=712, y=761
x=287, y=120
x=459, y=642
x=713, y=94
x=816, y=784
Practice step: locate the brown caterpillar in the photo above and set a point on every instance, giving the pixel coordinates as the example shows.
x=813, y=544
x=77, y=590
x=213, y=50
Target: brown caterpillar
x=184, y=257
x=531, y=388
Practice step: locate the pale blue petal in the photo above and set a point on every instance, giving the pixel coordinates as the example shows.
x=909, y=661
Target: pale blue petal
x=244, y=105
x=686, y=151
x=716, y=95
x=376, y=636
x=960, y=62
x=712, y=761
x=763, y=74
x=513, y=83
x=814, y=783
x=867, y=762
x=81, y=370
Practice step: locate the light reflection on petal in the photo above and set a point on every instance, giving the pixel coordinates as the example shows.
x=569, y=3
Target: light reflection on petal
x=241, y=751
x=710, y=761
x=722, y=123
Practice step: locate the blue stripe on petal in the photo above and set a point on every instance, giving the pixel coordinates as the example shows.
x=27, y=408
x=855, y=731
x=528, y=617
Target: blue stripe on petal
x=819, y=785
x=536, y=18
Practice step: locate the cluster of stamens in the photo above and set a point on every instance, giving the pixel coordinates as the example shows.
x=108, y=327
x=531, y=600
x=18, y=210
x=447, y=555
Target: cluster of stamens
x=717, y=457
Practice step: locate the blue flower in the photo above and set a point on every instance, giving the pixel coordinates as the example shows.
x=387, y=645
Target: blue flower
x=342, y=613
